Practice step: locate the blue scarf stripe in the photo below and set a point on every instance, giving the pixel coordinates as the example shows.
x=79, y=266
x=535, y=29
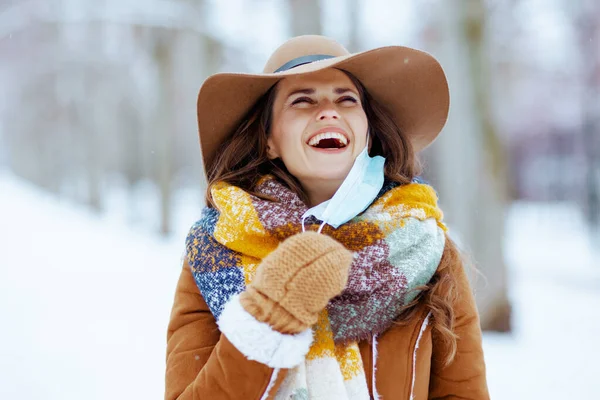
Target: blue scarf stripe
x=216, y=269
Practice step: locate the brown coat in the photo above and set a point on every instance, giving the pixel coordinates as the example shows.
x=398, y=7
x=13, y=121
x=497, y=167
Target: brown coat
x=203, y=364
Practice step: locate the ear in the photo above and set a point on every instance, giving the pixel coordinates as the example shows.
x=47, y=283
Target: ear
x=272, y=153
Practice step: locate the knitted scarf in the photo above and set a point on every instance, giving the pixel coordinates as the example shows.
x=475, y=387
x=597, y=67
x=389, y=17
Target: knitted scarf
x=398, y=243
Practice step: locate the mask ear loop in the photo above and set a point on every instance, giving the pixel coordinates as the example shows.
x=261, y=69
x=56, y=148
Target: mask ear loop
x=318, y=231
x=321, y=227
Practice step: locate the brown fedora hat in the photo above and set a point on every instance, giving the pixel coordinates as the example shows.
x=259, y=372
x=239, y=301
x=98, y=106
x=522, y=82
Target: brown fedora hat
x=409, y=83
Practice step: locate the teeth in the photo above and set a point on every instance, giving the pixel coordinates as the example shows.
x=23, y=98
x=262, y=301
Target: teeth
x=328, y=135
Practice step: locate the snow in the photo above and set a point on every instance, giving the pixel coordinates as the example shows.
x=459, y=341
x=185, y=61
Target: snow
x=555, y=292
x=85, y=301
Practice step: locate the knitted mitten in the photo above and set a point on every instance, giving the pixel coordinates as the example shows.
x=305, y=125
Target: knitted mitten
x=294, y=283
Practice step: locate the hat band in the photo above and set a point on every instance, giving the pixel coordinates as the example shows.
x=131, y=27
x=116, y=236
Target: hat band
x=296, y=62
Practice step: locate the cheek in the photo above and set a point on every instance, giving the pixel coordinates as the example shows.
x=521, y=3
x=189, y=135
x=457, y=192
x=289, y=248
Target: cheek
x=359, y=125
x=284, y=143
x=288, y=133
x=275, y=139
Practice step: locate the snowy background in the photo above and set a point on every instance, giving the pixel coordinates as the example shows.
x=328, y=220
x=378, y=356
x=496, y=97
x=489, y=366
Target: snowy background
x=85, y=301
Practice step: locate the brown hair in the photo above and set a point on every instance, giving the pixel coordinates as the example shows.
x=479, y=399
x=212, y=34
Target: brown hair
x=242, y=161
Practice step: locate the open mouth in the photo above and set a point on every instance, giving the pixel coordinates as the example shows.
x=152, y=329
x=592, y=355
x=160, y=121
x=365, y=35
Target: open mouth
x=328, y=140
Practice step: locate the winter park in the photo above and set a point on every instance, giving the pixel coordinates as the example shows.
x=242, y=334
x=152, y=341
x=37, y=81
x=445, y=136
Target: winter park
x=102, y=178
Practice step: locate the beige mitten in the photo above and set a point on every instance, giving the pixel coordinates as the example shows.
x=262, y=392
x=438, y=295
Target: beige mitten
x=295, y=282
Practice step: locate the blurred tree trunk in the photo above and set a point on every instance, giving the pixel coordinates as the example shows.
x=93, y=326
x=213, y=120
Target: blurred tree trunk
x=129, y=112
x=354, y=43
x=93, y=161
x=89, y=120
x=163, y=117
x=588, y=26
x=468, y=160
x=130, y=134
x=305, y=18
x=494, y=185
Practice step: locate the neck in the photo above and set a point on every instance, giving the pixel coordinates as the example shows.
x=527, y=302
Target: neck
x=319, y=191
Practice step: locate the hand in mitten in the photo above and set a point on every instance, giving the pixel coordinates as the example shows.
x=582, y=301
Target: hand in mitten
x=294, y=283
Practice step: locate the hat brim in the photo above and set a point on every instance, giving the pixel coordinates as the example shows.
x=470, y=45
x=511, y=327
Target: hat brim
x=409, y=83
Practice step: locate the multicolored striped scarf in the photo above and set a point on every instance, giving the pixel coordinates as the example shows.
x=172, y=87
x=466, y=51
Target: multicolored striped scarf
x=398, y=243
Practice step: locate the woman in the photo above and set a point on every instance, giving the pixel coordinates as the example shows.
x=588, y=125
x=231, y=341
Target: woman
x=321, y=268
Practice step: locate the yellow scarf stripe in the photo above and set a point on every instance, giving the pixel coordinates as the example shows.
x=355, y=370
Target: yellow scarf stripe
x=348, y=357
x=249, y=264
x=350, y=360
x=242, y=215
x=323, y=345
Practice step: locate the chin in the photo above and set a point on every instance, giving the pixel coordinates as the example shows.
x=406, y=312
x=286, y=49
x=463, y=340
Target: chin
x=334, y=173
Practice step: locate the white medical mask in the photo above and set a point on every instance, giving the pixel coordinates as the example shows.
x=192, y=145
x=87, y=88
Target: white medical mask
x=357, y=192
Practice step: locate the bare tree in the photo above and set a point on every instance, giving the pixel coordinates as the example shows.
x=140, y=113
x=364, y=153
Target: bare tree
x=163, y=128
x=354, y=24
x=305, y=17
x=90, y=111
x=587, y=21
x=468, y=161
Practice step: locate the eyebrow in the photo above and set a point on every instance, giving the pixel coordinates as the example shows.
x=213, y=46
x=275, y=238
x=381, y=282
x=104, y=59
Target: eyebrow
x=343, y=90
x=312, y=91
x=301, y=91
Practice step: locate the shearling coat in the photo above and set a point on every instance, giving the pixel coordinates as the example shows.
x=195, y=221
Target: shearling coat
x=203, y=364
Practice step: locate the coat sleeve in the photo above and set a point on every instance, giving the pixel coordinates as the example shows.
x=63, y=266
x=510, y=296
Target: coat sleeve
x=465, y=377
x=236, y=358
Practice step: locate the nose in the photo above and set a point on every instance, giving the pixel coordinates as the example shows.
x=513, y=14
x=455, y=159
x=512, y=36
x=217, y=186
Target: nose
x=327, y=112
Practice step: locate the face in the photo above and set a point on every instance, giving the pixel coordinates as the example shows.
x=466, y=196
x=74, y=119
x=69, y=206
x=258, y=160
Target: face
x=318, y=126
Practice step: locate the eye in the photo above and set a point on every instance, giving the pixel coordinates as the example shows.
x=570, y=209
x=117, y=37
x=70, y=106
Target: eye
x=303, y=99
x=347, y=99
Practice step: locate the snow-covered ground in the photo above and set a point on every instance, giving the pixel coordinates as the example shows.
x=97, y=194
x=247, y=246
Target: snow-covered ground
x=555, y=292
x=85, y=300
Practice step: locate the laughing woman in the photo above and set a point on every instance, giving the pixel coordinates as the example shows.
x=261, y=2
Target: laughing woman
x=321, y=268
